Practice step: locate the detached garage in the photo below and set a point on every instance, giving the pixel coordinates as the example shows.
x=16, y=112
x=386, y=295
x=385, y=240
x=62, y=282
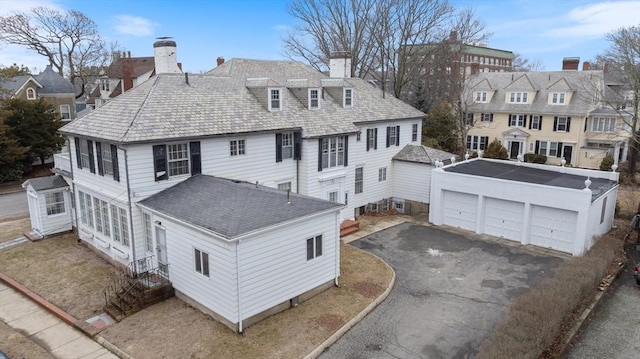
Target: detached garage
x=548, y=206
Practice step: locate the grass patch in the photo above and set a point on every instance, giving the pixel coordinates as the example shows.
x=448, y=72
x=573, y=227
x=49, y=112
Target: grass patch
x=289, y=334
x=535, y=319
x=66, y=273
x=14, y=229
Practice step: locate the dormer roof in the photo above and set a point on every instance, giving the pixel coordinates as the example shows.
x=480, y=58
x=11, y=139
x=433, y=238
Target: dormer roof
x=521, y=83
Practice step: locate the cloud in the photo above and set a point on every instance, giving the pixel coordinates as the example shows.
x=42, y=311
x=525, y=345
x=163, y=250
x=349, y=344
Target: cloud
x=9, y=7
x=280, y=27
x=134, y=25
x=596, y=20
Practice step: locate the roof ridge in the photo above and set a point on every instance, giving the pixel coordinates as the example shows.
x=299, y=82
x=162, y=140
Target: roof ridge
x=144, y=102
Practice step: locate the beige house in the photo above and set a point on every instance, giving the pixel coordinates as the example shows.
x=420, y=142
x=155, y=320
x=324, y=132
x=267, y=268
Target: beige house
x=553, y=113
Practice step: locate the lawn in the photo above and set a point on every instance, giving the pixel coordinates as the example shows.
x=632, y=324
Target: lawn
x=14, y=229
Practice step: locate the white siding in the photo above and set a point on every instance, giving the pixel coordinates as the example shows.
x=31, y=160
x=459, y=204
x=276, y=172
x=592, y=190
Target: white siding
x=274, y=266
x=55, y=223
x=411, y=181
x=218, y=292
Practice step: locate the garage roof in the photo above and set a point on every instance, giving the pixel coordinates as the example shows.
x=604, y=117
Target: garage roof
x=510, y=171
x=231, y=208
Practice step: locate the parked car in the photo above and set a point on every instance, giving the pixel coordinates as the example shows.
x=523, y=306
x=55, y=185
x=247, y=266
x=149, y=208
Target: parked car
x=636, y=273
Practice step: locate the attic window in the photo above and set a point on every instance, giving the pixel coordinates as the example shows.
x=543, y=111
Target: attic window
x=104, y=84
x=348, y=97
x=481, y=96
x=518, y=97
x=314, y=102
x=275, y=100
x=31, y=94
x=557, y=98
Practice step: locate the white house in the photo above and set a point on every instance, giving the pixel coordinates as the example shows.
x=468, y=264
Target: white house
x=548, y=206
x=278, y=124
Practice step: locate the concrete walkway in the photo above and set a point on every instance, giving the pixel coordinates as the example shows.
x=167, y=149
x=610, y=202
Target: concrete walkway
x=57, y=337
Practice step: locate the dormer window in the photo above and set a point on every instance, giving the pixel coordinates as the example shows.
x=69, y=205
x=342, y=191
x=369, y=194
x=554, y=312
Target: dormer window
x=518, y=97
x=314, y=99
x=481, y=96
x=557, y=98
x=348, y=97
x=104, y=84
x=275, y=99
x=31, y=93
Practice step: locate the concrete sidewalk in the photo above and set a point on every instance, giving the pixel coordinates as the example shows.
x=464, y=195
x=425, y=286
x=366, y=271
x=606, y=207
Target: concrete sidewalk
x=54, y=335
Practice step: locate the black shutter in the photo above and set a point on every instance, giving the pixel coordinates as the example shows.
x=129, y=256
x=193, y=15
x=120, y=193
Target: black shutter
x=510, y=119
x=278, y=147
x=92, y=164
x=397, y=135
x=346, y=151
x=160, y=162
x=530, y=121
x=490, y=117
x=319, y=154
x=375, y=136
x=555, y=123
x=559, y=152
x=537, y=147
x=78, y=156
x=196, y=160
x=585, y=125
x=99, y=154
x=568, y=124
x=297, y=146
x=388, y=133
x=524, y=120
x=540, y=124
x=114, y=161
x=368, y=134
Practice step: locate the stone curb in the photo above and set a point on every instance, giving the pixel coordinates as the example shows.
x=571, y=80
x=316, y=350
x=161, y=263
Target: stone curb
x=345, y=328
x=84, y=327
x=587, y=312
x=112, y=348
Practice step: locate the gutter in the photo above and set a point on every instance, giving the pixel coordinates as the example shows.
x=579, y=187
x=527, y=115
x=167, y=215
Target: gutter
x=238, y=282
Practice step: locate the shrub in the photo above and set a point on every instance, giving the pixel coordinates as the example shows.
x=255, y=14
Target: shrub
x=535, y=318
x=496, y=150
x=606, y=163
x=535, y=158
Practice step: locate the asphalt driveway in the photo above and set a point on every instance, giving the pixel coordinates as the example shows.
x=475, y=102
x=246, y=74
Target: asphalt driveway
x=450, y=292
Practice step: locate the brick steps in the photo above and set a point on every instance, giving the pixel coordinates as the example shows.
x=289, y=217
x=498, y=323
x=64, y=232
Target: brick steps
x=347, y=227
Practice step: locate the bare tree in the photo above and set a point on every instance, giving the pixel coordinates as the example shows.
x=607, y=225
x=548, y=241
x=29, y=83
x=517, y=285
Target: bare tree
x=622, y=78
x=69, y=40
x=520, y=63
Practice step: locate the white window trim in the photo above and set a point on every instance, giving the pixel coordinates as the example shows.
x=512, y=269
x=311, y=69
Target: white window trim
x=270, y=93
x=56, y=205
x=519, y=120
x=68, y=107
x=335, y=154
x=566, y=120
x=414, y=132
x=608, y=124
x=199, y=261
x=237, y=153
x=518, y=97
x=537, y=127
x=287, y=137
x=360, y=180
x=382, y=174
x=558, y=98
x=185, y=145
x=314, y=240
x=345, y=98
x=148, y=232
x=317, y=91
x=32, y=91
x=481, y=97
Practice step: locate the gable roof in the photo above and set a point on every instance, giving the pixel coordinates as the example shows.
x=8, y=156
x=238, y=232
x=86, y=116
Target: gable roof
x=44, y=183
x=508, y=170
x=423, y=154
x=232, y=208
x=220, y=103
x=582, y=84
x=140, y=66
x=48, y=82
x=15, y=84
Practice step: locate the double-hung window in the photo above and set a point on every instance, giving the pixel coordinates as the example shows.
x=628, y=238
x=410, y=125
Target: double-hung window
x=481, y=96
x=65, y=112
x=178, y=159
x=148, y=237
x=55, y=203
x=414, y=132
x=84, y=154
x=382, y=174
x=372, y=139
x=237, y=147
x=314, y=99
x=486, y=117
x=287, y=145
x=603, y=124
x=557, y=98
x=548, y=148
x=535, y=122
x=477, y=142
x=314, y=247
x=174, y=159
x=348, y=97
x=517, y=120
x=275, y=99
x=333, y=151
x=562, y=124
x=107, y=160
x=359, y=179
x=201, y=259
x=518, y=97
x=333, y=196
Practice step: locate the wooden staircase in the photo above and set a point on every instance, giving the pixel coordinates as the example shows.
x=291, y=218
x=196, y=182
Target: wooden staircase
x=135, y=288
x=347, y=227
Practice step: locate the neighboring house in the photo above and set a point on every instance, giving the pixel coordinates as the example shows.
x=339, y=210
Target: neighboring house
x=48, y=86
x=553, y=113
x=548, y=206
x=277, y=124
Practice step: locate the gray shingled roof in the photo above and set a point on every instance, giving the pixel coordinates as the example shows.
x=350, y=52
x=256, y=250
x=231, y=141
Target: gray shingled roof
x=44, y=183
x=423, y=154
x=508, y=170
x=13, y=84
x=231, y=208
x=543, y=82
x=220, y=103
x=53, y=83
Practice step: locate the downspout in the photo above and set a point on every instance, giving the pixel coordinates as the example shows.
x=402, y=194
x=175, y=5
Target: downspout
x=337, y=254
x=73, y=193
x=238, y=285
x=126, y=169
x=298, y=173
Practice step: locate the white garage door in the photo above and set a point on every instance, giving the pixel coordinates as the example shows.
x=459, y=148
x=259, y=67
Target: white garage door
x=460, y=210
x=553, y=228
x=503, y=218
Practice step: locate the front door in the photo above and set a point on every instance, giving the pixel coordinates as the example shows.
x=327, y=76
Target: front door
x=161, y=248
x=515, y=149
x=567, y=150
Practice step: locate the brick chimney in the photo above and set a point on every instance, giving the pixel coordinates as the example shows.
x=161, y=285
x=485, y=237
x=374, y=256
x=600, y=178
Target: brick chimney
x=340, y=64
x=586, y=66
x=165, y=56
x=570, y=63
x=127, y=73
x=220, y=60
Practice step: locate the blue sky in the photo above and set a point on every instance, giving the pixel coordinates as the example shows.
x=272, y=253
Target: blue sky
x=545, y=30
